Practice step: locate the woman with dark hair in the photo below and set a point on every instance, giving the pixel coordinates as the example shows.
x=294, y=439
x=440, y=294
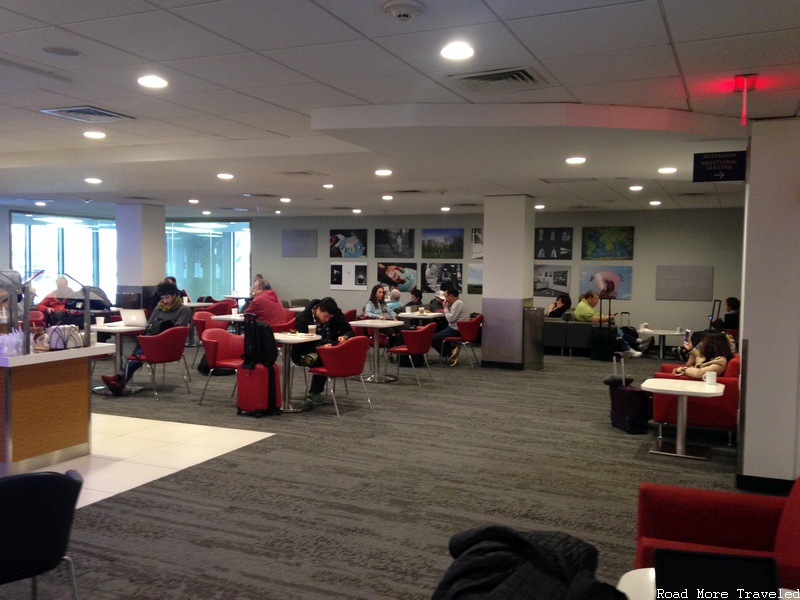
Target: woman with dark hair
x=376, y=308
x=170, y=312
x=562, y=304
x=711, y=355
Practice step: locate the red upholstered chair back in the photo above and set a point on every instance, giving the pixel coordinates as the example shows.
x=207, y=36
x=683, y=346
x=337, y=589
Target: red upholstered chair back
x=733, y=367
x=222, y=307
x=36, y=318
x=789, y=526
x=165, y=347
x=350, y=315
x=221, y=345
x=418, y=341
x=287, y=326
x=346, y=359
x=202, y=321
x=469, y=329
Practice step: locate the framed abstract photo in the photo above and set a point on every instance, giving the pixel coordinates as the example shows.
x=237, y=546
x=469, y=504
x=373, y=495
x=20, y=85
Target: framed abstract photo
x=396, y=274
x=348, y=243
x=442, y=243
x=609, y=282
x=394, y=243
x=299, y=242
x=348, y=276
x=475, y=278
x=607, y=243
x=436, y=274
x=553, y=243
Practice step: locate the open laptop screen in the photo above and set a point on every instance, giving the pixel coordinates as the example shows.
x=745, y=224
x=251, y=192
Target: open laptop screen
x=706, y=575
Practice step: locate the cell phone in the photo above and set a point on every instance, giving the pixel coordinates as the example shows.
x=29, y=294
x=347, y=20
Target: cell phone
x=687, y=335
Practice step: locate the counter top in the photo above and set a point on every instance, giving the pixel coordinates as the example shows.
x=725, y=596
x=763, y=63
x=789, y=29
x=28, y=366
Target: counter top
x=55, y=355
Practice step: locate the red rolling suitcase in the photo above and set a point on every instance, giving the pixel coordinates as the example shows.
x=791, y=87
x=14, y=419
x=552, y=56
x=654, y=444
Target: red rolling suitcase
x=258, y=390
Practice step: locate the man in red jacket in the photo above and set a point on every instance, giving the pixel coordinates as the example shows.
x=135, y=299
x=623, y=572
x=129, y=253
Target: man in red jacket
x=265, y=304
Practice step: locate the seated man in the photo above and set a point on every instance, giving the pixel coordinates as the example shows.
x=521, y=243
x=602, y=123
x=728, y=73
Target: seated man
x=332, y=327
x=170, y=312
x=587, y=312
x=54, y=306
x=266, y=305
x=454, y=311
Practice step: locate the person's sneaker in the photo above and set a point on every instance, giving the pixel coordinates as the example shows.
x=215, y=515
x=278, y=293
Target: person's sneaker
x=114, y=384
x=644, y=346
x=454, y=356
x=314, y=399
x=631, y=354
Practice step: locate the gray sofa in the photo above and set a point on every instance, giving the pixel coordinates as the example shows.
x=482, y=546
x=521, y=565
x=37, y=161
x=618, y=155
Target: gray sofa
x=567, y=334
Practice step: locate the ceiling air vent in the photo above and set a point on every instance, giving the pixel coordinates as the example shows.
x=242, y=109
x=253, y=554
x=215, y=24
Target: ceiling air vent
x=301, y=173
x=86, y=114
x=501, y=80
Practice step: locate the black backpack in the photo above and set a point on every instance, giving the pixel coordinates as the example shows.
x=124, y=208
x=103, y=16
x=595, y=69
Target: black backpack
x=259, y=343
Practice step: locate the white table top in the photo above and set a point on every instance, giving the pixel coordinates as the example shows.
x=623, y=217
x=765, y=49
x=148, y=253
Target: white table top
x=237, y=318
x=376, y=323
x=297, y=309
x=117, y=327
x=235, y=296
x=198, y=304
x=284, y=337
x=660, y=332
x=683, y=387
x=417, y=315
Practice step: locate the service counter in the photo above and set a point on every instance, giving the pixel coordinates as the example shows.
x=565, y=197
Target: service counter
x=44, y=407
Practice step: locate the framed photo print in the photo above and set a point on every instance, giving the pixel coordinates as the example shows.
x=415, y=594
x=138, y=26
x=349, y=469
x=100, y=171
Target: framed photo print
x=348, y=243
x=404, y=276
x=607, y=243
x=436, y=274
x=442, y=243
x=348, y=276
x=553, y=243
x=394, y=243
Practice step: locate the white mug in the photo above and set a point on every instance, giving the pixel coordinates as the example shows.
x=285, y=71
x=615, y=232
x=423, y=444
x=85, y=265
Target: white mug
x=234, y=311
x=710, y=378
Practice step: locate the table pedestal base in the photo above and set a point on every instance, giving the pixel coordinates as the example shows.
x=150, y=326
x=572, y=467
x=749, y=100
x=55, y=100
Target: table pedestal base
x=380, y=378
x=102, y=390
x=670, y=448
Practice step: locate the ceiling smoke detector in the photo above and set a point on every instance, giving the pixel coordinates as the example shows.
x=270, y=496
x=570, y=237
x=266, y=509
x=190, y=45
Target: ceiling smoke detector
x=403, y=10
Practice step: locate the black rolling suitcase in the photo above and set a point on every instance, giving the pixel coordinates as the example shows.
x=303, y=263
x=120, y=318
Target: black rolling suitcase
x=604, y=337
x=631, y=407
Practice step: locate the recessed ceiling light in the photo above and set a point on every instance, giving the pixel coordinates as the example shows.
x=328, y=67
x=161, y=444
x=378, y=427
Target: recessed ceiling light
x=667, y=170
x=206, y=212
x=655, y=202
x=40, y=203
x=194, y=201
x=445, y=209
x=387, y=197
x=224, y=176
x=327, y=186
x=93, y=180
x=277, y=212
x=152, y=81
x=636, y=188
x=357, y=210
x=457, y=51
x=538, y=206
x=286, y=200
x=383, y=172
x=94, y=135
x=576, y=160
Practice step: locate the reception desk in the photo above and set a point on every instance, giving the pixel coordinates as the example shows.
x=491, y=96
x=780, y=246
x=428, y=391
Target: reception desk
x=44, y=407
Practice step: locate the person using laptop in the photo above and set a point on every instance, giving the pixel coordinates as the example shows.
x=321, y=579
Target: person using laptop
x=170, y=312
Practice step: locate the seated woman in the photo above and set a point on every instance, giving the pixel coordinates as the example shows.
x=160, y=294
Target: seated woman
x=711, y=354
x=376, y=308
x=562, y=304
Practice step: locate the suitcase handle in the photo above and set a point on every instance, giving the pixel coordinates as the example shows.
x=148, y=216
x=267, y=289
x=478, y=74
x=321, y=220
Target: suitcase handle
x=600, y=308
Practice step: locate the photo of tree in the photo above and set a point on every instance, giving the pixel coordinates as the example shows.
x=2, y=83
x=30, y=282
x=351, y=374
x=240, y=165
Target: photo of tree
x=475, y=278
x=348, y=243
x=442, y=243
x=394, y=243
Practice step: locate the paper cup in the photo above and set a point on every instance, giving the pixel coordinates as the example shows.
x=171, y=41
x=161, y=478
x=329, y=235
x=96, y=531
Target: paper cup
x=312, y=330
x=234, y=311
x=99, y=320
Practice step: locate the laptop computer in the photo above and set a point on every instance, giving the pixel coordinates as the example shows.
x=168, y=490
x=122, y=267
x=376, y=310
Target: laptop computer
x=679, y=570
x=133, y=317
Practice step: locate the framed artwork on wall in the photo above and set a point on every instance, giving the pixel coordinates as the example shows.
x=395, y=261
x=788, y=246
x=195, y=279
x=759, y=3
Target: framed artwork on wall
x=442, y=243
x=475, y=278
x=550, y=280
x=299, y=243
x=348, y=276
x=607, y=243
x=477, y=243
x=436, y=274
x=610, y=282
x=348, y=243
x=394, y=243
x=401, y=275
x=553, y=243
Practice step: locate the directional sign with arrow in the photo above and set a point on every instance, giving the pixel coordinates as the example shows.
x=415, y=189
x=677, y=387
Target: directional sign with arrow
x=720, y=166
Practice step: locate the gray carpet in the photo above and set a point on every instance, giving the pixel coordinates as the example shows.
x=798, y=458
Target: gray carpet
x=364, y=506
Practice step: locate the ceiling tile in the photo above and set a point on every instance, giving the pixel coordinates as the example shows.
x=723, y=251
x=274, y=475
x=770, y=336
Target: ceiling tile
x=691, y=20
x=239, y=70
x=220, y=102
x=622, y=65
x=60, y=13
x=305, y=96
x=745, y=53
x=665, y=92
x=399, y=89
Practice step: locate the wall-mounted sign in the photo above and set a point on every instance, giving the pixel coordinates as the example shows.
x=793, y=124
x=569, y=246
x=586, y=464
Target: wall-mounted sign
x=720, y=166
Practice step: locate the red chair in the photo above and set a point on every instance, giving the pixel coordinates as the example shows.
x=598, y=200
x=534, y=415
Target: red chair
x=721, y=412
x=468, y=331
x=201, y=320
x=288, y=314
x=223, y=307
x=224, y=350
x=723, y=522
x=417, y=343
x=36, y=318
x=350, y=315
x=287, y=326
x=166, y=347
x=346, y=359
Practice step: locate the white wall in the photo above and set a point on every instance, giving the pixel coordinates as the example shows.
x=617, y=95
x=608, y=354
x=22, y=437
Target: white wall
x=662, y=237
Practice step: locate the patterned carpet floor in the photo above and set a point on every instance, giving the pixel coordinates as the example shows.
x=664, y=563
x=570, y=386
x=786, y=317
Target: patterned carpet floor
x=362, y=507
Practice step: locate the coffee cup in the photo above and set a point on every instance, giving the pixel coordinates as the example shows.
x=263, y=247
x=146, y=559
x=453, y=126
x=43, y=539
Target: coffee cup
x=99, y=320
x=234, y=311
x=679, y=330
x=710, y=378
x=312, y=330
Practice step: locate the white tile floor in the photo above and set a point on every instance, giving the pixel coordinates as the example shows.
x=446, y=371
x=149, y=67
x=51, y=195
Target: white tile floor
x=129, y=452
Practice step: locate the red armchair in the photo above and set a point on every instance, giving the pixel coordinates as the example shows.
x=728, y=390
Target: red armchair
x=346, y=359
x=724, y=522
x=417, y=343
x=224, y=350
x=468, y=332
x=167, y=346
x=721, y=412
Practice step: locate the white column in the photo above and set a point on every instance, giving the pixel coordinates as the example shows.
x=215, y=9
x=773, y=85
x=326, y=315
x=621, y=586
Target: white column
x=771, y=291
x=508, y=233
x=141, y=245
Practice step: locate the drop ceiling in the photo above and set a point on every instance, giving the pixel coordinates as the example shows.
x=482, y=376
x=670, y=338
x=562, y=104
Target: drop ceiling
x=289, y=95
